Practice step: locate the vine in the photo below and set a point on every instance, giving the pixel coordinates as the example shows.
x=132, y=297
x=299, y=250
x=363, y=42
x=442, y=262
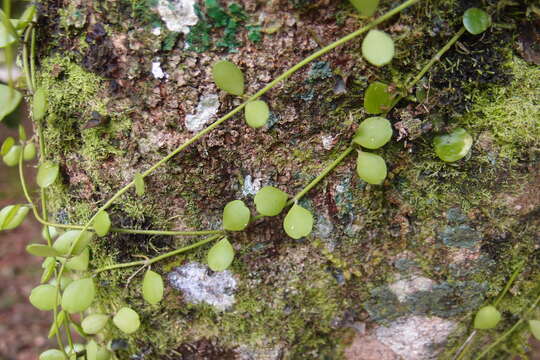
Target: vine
x=69, y=250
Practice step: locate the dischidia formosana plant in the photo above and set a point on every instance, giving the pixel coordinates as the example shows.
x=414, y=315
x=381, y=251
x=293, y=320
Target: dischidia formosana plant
x=67, y=285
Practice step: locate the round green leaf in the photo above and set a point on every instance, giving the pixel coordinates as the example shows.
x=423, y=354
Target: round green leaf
x=221, y=255
x=378, y=48
x=65, y=241
x=365, y=7
x=13, y=155
x=102, y=223
x=52, y=354
x=257, y=113
x=6, y=145
x=9, y=98
x=298, y=222
x=41, y=250
x=152, y=287
x=43, y=297
x=371, y=168
x=96, y=352
x=92, y=324
x=270, y=201
x=236, y=216
x=47, y=174
x=453, y=146
x=139, y=184
x=29, y=151
x=127, y=320
x=39, y=104
x=534, y=325
x=80, y=262
x=373, y=133
x=476, y=21
x=78, y=295
x=12, y=216
x=228, y=77
x=377, y=98
x=487, y=318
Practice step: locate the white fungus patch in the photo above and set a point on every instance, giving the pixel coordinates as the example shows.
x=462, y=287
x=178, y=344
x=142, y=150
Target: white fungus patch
x=415, y=337
x=178, y=15
x=156, y=31
x=327, y=141
x=405, y=287
x=206, y=109
x=200, y=285
x=251, y=187
x=157, y=71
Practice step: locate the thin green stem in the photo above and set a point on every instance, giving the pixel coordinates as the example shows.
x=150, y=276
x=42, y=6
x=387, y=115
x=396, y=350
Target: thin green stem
x=509, y=331
x=67, y=329
x=509, y=283
x=26, y=66
x=322, y=175
x=160, y=257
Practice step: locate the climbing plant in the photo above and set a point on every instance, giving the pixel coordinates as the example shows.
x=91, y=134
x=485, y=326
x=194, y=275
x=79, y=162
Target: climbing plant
x=66, y=247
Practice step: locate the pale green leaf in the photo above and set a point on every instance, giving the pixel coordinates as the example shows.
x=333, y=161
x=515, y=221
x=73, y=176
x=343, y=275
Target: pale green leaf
x=29, y=151
x=298, y=222
x=65, y=241
x=52, y=354
x=476, y=21
x=78, y=295
x=9, y=98
x=127, y=320
x=365, y=7
x=228, y=77
x=371, y=168
x=12, y=216
x=377, y=98
x=139, y=184
x=92, y=324
x=79, y=262
x=373, y=133
x=47, y=174
x=236, y=216
x=43, y=297
x=41, y=250
x=454, y=146
x=13, y=155
x=270, y=201
x=221, y=255
x=378, y=48
x=534, y=325
x=152, y=287
x=6, y=145
x=487, y=318
x=39, y=104
x=102, y=223
x=257, y=113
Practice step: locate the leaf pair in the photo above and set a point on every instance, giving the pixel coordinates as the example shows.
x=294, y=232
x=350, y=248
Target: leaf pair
x=228, y=77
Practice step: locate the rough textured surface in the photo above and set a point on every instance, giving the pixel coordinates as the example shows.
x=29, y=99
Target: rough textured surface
x=463, y=226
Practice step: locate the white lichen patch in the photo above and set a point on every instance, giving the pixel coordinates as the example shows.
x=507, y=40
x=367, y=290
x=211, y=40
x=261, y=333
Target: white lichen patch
x=251, y=186
x=327, y=141
x=200, y=285
x=157, y=71
x=416, y=337
x=206, y=109
x=178, y=15
x=405, y=287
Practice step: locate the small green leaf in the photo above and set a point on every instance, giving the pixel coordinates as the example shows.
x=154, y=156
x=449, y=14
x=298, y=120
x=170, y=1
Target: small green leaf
x=29, y=151
x=298, y=222
x=9, y=98
x=377, y=98
x=6, y=145
x=228, y=77
x=365, y=7
x=221, y=255
x=47, y=174
x=48, y=266
x=43, y=297
x=534, y=325
x=139, y=184
x=41, y=250
x=65, y=241
x=80, y=262
x=52, y=354
x=152, y=287
x=78, y=295
x=270, y=201
x=487, y=318
x=476, y=21
x=127, y=320
x=12, y=216
x=102, y=223
x=59, y=321
x=454, y=146
x=39, y=104
x=92, y=324
x=371, y=168
x=257, y=113
x=373, y=133
x=236, y=216
x=378, y=48
x=22, y=133
x=13, y=156
x=96, y=352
